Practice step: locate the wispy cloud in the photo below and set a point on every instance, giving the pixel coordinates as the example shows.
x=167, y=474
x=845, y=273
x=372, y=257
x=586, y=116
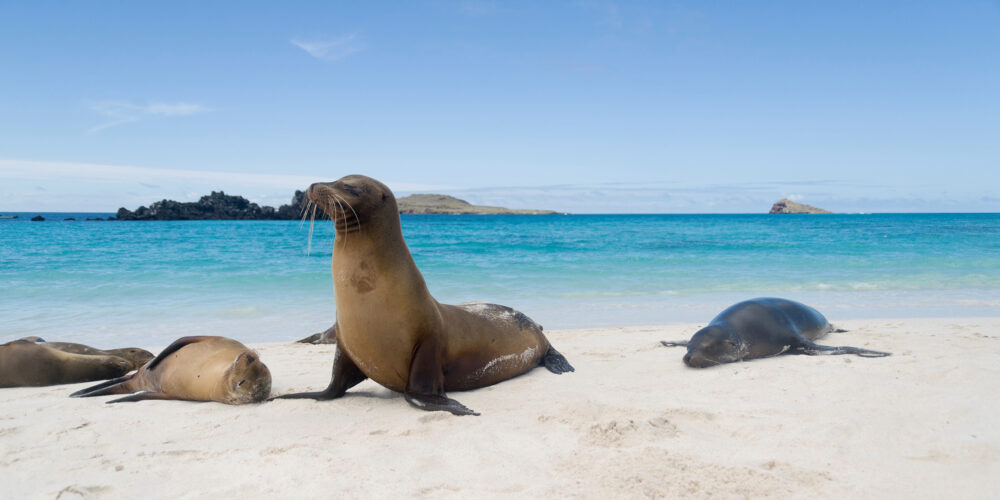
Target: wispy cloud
x=120, y=112
x=331, y=49
x=97, y=187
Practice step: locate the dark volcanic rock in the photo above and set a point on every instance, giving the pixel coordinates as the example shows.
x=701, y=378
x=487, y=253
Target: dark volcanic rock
x=38, y=218
x=216, y=206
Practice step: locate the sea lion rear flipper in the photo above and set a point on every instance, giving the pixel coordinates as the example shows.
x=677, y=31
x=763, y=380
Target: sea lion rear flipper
x=556, y=362
x=142, y=396
x=425, y=386
x=346, y=374
x=674, y=343
x=310, y=339
x=113, y=386
x=813, y=349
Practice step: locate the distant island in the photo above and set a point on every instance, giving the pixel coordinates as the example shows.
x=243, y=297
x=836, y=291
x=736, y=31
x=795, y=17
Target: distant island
x=786, y=206
x=449, y=205
x=216, y=206
x=221, y=206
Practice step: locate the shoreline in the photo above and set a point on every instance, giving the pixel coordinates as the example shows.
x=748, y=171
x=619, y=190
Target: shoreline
x=631, y=421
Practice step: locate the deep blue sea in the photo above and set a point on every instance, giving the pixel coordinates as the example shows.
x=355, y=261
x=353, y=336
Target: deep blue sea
x=147, y=283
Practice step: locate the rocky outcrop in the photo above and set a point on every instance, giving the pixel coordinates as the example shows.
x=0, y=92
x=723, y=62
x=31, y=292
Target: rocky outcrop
x=216, y=206
x=444, y=204
x=786, y=206
x=38, y=218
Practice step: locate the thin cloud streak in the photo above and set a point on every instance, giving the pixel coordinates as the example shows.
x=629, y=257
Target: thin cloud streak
x=125, y=112
x=330, y=50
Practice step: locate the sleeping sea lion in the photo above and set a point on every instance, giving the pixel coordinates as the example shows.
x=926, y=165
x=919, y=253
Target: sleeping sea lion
x=194, y=369
x=759, y=328
x=134, y=355
x=27, y=364
x=390, y=328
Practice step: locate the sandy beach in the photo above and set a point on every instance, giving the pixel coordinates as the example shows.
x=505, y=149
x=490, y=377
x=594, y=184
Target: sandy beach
x=631, y=422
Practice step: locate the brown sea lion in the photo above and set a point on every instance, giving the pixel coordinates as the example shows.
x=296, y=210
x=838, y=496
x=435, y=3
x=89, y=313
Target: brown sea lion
x=134, y=355
x=759, y=328
x=195, y=369
x=390, y=328
x=27, y=364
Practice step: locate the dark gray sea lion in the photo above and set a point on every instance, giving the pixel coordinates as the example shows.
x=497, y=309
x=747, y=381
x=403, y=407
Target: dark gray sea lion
x=30, y=364
x=391, y=329
x=134, y=355
x=759, y=328
x=195, y=369
x=328, y=336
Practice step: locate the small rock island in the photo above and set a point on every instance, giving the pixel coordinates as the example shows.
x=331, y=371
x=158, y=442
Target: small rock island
x=449, y=205
x=786, y=206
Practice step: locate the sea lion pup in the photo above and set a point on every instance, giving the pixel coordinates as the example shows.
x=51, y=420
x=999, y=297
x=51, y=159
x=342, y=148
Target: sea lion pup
x=391, y=329
x=28, y=364
x=328, y=336
x=134, y=355
x=194, y=369
x=759, y=328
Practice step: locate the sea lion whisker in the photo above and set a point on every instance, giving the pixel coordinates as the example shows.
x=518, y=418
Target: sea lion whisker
x=356, y=218
x=312, y=220
x=305, y=213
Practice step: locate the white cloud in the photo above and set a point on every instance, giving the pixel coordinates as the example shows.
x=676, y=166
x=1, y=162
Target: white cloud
x=125, y=112
x=330, y=50
x=73, y=186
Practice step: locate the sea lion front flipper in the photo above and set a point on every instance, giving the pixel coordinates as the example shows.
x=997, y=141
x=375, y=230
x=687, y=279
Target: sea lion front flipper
x=813, y=349
x=346, y=374
x=556, y=362
x=425, y=386
x=438, y=403
x=310, y=339
x=674, y=343
x=142, y=396
x=113, y=386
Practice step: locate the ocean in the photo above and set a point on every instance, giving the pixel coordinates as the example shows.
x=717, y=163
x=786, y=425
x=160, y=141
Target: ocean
x=146, y=283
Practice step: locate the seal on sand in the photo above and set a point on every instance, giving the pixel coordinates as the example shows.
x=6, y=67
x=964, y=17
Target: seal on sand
x=390, y=328
x=194, y=369
x=27, y=364
x=134, y=355
x=759, y=328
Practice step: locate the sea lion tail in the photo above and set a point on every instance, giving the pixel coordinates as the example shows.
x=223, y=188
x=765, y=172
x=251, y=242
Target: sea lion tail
x=113, y=386
x=556, y=362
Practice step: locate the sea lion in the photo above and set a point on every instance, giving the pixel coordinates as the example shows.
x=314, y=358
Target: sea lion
x=194, y=369
x=328, y=336
x=759, y=328
x=390, y=328
x=27, y=364
x=134, y=355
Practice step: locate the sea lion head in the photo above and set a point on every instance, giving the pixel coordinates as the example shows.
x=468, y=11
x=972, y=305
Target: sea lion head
x=247, y=381
x=353, y=201
x=712, y=345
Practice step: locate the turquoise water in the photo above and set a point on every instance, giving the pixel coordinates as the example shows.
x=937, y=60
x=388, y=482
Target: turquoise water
x=146, y=283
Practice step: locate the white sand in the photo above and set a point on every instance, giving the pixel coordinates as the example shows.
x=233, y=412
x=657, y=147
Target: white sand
x=632, y=422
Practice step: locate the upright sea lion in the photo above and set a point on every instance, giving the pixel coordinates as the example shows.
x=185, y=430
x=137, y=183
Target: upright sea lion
x=759, y=328
x=195, y=369
x=134, y=355
x=391, y=329
x=27, y=364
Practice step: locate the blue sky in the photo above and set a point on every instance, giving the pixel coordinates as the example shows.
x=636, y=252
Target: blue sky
x=574, y=106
